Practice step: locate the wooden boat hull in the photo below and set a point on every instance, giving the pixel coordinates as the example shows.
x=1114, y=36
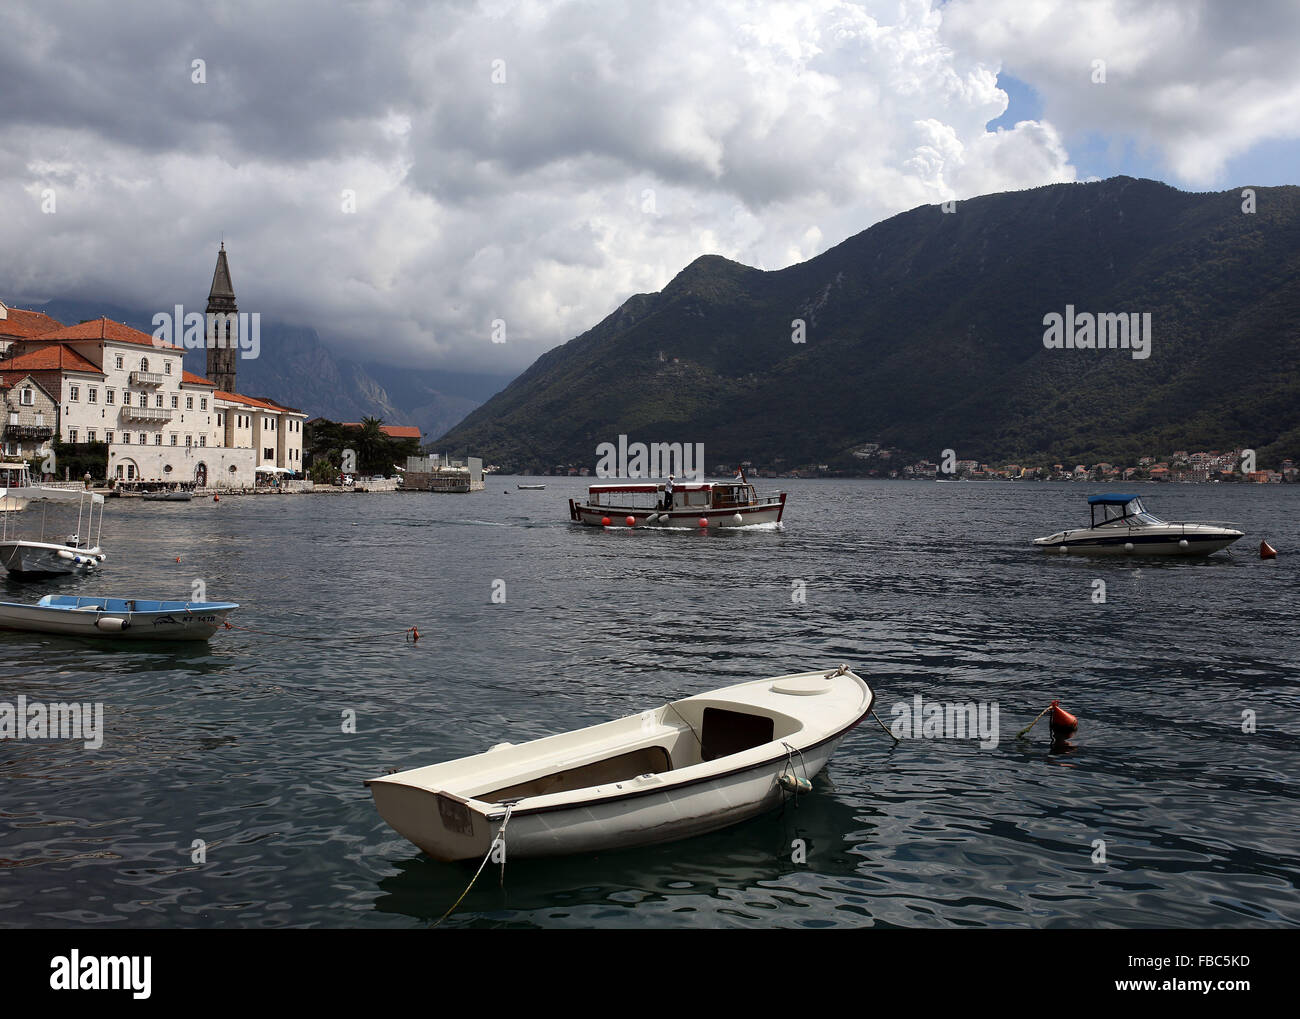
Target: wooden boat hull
x=653, y=776
x=666, y=815
x=116, y=618
x=733, y=516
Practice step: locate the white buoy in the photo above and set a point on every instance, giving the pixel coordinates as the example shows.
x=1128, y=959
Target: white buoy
x=736, y=518
x=1128, y=546
x=1182, y=543
x=65, y=554
x=1062, y=548
x=111, y=624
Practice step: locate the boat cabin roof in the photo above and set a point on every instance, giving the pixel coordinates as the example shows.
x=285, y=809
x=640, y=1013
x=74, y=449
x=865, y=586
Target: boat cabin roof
x=678, y=486
x=1110, y=499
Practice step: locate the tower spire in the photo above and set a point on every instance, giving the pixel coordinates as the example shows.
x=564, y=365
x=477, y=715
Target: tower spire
x=222, y=332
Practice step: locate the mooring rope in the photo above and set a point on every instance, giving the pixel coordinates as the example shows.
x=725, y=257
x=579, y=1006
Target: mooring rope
x=501, y=837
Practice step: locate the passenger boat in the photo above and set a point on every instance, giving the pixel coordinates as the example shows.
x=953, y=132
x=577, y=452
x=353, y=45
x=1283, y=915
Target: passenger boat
x=15, y=479
x=1121, y=525
x=691, y=766
x=717, y=503
x=72, y=554
x=125, y=618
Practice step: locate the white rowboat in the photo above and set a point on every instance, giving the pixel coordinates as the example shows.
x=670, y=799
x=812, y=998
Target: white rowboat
x=692, y=766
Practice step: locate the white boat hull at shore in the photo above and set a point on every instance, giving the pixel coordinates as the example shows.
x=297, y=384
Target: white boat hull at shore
x=693, y=766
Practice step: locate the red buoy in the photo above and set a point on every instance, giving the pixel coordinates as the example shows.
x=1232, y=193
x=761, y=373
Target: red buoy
x=1267, y=551
x=704, y=521
x=216, y=498
x=631, y=521
x=1064, y=725
x=604, y=521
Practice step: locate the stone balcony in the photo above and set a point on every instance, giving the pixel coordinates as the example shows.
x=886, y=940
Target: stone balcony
x=147, y=379
x=146, y=414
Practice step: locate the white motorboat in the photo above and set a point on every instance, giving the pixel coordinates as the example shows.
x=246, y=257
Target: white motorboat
x=36, y=555
x=124, y=618
x=173, y=496
x=693, y=504
x=692, y=766
x=1121, y=525
x=531, y=488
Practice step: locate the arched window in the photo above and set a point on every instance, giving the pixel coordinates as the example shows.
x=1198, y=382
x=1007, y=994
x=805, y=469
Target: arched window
x=144, y=364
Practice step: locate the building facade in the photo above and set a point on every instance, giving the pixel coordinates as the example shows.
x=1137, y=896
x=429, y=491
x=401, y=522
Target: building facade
x=114, y=384
x=30, y=416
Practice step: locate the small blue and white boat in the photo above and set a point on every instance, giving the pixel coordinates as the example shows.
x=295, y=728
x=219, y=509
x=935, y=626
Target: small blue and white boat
x=1121, y=525
x=125, y=618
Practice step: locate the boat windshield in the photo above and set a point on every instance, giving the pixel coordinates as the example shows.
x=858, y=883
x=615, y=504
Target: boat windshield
x=1130, y=514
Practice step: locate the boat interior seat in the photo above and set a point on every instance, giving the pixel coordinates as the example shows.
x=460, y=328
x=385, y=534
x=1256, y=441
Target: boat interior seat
x=623, y=767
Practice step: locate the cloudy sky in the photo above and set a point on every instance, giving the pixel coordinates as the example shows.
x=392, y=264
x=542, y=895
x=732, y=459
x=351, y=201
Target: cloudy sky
x=400, y=175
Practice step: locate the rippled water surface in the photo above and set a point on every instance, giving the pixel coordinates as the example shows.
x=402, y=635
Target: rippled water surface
x=922, y=588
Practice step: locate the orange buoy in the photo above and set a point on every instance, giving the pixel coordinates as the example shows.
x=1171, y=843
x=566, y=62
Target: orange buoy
x=604, y=521
x=1267, y=551
x=178, y=558
x=216, y=498
x=1063, y=724
x=630, y=521
x=704, y=521
x=415, y=635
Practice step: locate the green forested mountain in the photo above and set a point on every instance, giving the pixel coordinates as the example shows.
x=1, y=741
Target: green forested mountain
x=925, y=332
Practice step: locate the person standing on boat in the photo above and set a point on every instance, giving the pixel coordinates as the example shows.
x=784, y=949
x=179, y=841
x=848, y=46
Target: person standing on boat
x=668, y=494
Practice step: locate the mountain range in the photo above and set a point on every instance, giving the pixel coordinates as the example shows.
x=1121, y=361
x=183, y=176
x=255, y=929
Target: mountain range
x=929, y=331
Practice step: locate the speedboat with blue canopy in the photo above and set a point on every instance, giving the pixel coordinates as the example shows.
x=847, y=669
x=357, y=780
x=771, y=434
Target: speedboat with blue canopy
x=1121, y=525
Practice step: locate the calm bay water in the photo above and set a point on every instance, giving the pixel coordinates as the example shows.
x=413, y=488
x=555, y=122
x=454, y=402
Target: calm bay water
x=922, y=588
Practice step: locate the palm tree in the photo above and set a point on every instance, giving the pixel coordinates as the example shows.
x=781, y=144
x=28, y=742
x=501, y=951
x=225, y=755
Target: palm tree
x=371, y=443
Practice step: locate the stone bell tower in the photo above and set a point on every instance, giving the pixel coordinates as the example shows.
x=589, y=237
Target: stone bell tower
x=222, y=332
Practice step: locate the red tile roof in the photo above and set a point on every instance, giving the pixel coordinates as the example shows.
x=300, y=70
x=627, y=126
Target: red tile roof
x=13, y=378
x=21, y=322
x=55, y=357
x=393, y=431
x=195, y=380
x=106, y=329
x=236, y=398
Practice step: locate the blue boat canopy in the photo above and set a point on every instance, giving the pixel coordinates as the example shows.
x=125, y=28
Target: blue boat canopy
x=1110, y=499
